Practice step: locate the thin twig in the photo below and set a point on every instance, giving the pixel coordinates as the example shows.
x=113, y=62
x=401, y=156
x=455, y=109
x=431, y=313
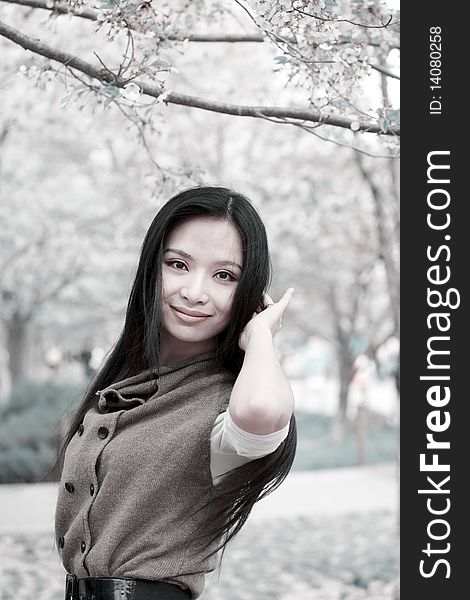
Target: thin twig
x=344, y=144
x=385, y=71
x=242, y=6
x=309, y=129
x=348, y=101
x=314, y=16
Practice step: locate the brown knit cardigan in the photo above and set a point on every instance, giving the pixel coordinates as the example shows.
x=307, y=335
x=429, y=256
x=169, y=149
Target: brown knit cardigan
x=135, y=472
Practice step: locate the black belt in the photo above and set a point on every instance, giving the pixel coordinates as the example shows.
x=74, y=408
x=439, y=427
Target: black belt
x=121, y=588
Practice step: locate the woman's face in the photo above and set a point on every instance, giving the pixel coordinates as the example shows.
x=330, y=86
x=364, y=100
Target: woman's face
x=202, y=263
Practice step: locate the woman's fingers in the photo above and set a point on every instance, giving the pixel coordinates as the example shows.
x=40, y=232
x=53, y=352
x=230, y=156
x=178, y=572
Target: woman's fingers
x=281, y=305
x=286, y=298
x=284, y=301
x=267, y=300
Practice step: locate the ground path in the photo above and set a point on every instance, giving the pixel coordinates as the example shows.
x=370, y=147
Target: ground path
x=323, y=535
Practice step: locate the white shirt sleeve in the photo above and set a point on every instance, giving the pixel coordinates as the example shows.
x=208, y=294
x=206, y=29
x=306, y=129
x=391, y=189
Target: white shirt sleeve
x=232, y=446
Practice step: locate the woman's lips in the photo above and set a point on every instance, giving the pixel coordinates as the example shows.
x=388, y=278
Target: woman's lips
x=189, y=318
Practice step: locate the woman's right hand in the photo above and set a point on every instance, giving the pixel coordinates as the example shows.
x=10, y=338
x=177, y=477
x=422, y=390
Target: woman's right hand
x=267, y=318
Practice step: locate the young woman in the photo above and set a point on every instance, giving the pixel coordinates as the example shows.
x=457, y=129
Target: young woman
x=190, y=420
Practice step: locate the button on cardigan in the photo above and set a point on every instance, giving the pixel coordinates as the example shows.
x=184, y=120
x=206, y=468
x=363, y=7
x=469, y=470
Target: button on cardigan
x=140, y=470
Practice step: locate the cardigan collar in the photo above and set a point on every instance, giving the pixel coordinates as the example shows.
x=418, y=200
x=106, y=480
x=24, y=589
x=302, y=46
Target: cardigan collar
x=139, y=389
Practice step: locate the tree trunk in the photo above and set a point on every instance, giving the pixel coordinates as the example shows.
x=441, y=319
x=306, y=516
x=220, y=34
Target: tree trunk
x=386, y=243
x=339, y=425
x=343, y=396
x=396, y=376
x=5, y=378
x=16, y=329
x=361, y=432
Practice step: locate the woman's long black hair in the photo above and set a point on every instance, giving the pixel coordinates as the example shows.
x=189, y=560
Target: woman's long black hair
x=137, y=348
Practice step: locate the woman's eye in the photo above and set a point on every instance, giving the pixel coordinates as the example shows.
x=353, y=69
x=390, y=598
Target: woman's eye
x=225, y=276
x=177, y=264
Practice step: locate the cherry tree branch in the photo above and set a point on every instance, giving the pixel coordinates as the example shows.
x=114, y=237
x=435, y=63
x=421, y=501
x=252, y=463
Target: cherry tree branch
x=155, y=91
x=36, y=46
x=17, y=252
x=255, y=37
x=63, y=9
x=4, y=132
x=385, y=71
x=41, y=298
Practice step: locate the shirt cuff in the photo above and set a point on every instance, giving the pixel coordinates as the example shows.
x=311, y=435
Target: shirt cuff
x=253, y=445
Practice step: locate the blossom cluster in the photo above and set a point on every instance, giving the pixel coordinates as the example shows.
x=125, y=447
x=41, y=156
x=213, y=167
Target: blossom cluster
x=328, y=47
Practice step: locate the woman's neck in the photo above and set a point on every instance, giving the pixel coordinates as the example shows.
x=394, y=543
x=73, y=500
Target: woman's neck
x=173, y=351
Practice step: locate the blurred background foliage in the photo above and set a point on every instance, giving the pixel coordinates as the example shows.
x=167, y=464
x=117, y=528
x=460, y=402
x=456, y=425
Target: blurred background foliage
x=33, y=419
x=29, y=430
x=81, y=179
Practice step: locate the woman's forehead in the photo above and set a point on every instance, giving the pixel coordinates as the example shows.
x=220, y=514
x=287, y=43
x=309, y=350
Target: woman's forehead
x=207, y=234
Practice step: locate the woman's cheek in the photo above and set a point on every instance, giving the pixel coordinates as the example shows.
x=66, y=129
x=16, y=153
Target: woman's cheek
x=226, y=305
x=168, y=285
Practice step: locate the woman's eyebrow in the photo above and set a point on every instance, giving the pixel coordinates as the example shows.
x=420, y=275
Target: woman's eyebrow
x=177, y=252
x=186, y=255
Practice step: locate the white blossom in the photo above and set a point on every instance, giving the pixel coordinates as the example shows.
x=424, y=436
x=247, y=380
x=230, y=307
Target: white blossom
x=131, y=92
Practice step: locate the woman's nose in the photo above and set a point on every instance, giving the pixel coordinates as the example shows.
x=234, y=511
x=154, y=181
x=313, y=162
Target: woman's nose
x=194, y=290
